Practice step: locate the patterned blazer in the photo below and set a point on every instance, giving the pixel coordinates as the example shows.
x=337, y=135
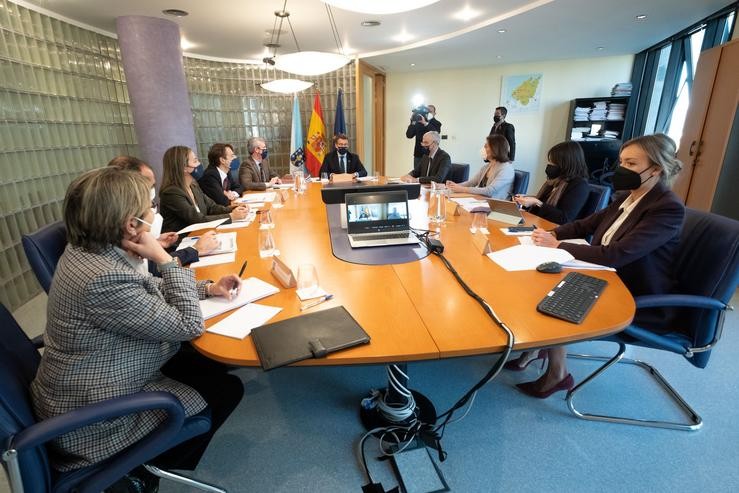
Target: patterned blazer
x=109, y=331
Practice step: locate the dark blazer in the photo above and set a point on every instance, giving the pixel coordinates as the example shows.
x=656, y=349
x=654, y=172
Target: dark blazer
x=436, y=171
x=508, y=131
x=250, y=177
x=212, y=185
x=417, y=129
x=570, y=203
x=643, y=248
x=353, y=164
x=178, y=211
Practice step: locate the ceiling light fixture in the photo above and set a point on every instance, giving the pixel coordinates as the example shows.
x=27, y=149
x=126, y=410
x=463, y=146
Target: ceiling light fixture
x=175, y=12
x=501, y=31
x=379, y=6
x=286, y=86
x=370, y=23
x=466, y=14
x=600, y=48
x=185, y=44
x=403, y=37
x=305, y=62
x=641, y=17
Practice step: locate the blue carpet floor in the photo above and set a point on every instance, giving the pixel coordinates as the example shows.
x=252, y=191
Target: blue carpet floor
x=297, y=429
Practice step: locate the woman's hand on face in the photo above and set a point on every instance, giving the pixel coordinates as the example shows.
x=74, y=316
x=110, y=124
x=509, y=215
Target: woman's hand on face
x=146, y=246
x=544, y=238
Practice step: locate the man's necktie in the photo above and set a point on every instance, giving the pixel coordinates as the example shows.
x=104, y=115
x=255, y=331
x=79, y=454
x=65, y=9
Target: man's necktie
x=343, y=164
x=226, y=184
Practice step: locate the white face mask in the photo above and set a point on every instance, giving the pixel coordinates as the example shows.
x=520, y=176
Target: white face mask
x=430, y=116
x=155, y=228
x=152, y=194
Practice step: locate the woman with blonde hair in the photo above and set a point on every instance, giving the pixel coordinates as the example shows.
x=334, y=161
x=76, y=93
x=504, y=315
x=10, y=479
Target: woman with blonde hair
x=637, y=234
x=114, y=330
x=181, y=200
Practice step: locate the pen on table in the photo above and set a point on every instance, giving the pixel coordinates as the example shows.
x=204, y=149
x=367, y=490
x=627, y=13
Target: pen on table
x=317, y=302
x=235, y=291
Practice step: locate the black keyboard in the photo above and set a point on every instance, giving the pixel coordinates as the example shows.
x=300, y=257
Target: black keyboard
x=376, y=236
x=573, y=297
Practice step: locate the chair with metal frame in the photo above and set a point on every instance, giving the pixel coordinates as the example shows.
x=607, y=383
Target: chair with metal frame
x=707, y=273
x=23, y=437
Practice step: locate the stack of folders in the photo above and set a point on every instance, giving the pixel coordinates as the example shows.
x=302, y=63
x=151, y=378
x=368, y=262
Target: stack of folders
x=616, y=111
x=599, y=112
x=621, y=89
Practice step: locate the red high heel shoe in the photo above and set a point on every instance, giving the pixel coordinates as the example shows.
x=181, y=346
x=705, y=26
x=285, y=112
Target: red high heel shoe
x=513, y=365
x=530, y=388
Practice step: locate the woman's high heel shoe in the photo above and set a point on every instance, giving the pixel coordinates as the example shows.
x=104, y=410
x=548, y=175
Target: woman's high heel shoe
x=514, y=364
x=530, y=388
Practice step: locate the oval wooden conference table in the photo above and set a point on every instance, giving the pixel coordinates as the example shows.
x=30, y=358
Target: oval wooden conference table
x=412, y=311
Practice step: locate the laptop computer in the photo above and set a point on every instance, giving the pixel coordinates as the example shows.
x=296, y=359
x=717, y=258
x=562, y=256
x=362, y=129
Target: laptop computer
x=505, y=211
x=378, y=219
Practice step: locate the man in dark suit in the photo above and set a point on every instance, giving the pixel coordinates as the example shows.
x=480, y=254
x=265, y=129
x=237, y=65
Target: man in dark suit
x=505, y=129
x=254, y=173
x=435, y=163
x=340, y=160
x=420, y=124
x=216, y=182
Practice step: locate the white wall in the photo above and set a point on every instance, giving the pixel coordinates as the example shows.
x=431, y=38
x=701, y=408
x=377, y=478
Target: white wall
x=465, y=100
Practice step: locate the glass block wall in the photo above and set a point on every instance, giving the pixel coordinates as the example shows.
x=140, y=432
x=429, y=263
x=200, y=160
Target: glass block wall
x=63, y=109
x=230, y=106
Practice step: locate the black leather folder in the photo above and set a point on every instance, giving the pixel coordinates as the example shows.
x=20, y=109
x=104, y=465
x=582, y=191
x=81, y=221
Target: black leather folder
x=307, y=336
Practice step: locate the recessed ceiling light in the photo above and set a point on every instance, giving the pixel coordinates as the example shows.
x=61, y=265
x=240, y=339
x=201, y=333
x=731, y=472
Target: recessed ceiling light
x=413, y=64
x=641, y=17
x=403, y=37
x=600, y=48
x=498, y=56
x=175, y=12
x=466, y=14
x=371, y=23
x=501, y=31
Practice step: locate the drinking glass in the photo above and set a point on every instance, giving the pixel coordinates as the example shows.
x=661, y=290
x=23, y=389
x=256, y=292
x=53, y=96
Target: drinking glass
x=479, y=222
x=266, y=243
x=437, y=203
x=298, y=182
x=307, y=278
x=324, y=177
x=265, y=219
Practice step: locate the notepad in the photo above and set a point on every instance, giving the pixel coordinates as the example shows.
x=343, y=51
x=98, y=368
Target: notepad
x=252, y=289
x=257, y=197
x=199, y=226
x=241, y=322
x=223, y=258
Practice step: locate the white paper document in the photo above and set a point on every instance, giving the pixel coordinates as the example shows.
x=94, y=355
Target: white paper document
x=226, y=243
x=365, y=178
x=257, y=197
x=252, y=289
x=199, y=226
x=224, y=258
x=581, y=264
x=241, y=322
x=471, y=204
x=283, y=186
x=241, y=223
x=527, y=257
x=310, y=293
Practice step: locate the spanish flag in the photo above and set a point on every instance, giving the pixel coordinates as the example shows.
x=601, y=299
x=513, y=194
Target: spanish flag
x=316, y=144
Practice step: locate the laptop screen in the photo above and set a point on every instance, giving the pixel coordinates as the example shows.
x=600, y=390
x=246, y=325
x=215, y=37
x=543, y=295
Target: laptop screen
x=377, y=212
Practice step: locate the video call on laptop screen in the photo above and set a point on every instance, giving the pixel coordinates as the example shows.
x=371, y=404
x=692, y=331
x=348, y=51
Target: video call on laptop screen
x=377, y=212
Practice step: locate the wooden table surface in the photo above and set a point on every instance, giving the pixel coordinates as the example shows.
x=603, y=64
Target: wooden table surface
x=412, y=311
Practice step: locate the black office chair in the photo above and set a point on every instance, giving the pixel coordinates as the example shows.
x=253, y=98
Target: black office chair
x=707, y=271
x=23, y=437
x=43, y=249
x=459, y=173
x=520, y=182
x=598, y=198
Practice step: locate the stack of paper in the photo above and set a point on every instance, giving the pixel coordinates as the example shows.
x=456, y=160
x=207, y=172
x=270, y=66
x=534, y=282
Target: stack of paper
x=622, y=89
x=599, y=112
x=616, y=111
x=582, y=114
x=471, y=204
x=527, y=257
x=241, y=322
x=253, y=198
x=199, y=226
x=252, y=289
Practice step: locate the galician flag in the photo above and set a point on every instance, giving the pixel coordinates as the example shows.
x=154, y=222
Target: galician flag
x=297, y=154
x=316, y=142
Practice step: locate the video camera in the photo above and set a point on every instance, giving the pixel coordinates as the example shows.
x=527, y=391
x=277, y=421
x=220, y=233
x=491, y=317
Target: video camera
x=418, y=112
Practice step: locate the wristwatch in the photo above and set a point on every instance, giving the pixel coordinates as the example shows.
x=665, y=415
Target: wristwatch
x=174, y=262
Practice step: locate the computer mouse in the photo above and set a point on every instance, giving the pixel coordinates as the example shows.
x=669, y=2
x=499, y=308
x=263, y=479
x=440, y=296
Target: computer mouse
x=549, y=267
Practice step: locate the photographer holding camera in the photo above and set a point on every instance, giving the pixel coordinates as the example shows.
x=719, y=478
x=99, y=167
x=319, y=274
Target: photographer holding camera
x=423, y=119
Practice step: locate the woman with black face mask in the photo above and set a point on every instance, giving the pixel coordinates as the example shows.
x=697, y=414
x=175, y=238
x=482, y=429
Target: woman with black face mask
x=563, y=195
x=637, y=234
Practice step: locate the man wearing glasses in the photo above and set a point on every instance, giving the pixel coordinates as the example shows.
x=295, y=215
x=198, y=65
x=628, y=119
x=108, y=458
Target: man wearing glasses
x=255, y=173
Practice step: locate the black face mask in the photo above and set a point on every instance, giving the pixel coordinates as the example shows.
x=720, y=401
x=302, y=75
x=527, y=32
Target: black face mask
x=265, y=153
x=342, y=150
x=425, y=151
x=496, y=119
x=552, y=171
x=626, y=179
